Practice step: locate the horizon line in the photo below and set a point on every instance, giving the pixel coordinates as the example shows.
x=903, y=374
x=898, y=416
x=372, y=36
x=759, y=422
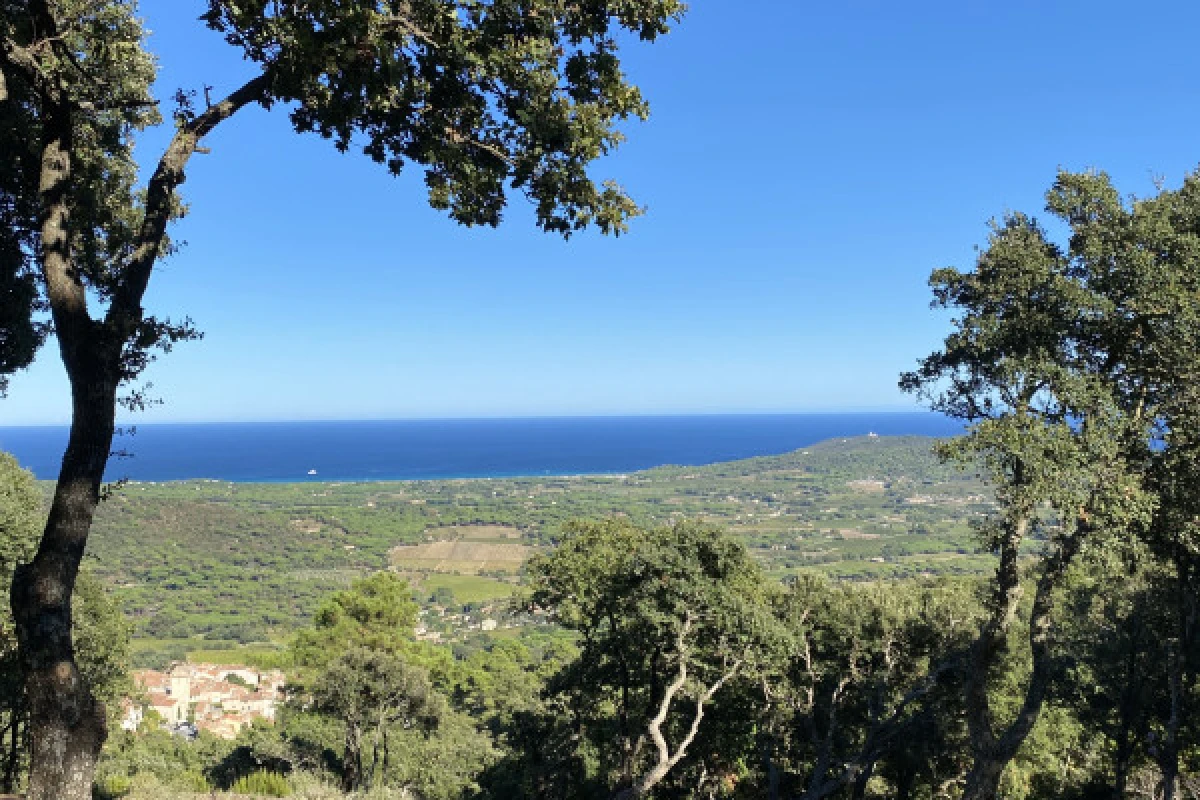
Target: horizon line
x=489, y=417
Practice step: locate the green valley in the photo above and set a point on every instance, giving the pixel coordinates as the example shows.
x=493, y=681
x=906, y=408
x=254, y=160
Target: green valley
x=239, y=563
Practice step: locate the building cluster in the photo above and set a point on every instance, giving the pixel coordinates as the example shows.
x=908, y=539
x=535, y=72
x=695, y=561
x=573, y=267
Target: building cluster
x=218, y=698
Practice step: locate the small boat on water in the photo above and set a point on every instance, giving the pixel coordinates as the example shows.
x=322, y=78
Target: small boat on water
x=312, y=472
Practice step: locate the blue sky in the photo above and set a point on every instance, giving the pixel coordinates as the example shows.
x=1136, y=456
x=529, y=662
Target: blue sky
x=805, y=167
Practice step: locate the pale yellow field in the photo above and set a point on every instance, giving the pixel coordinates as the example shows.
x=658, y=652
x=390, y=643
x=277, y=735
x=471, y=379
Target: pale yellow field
x=460, y=556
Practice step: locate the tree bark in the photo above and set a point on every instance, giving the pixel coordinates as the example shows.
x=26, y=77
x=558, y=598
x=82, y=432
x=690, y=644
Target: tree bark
x=770, y=748
x=666, y=759
x=67, y=724
x=1126, y=711
x=988, y=757
x=1123, y=760
x=1169, y=758
x=13, y=760
x=1179, y=674
x=992, y=752
x=859, y=791
x=983, y=781
x=880, y=736
x=817, y=780
x=352, y=759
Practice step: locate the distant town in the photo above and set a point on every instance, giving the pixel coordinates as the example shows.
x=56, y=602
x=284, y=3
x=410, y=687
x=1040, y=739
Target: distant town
x=221, y=699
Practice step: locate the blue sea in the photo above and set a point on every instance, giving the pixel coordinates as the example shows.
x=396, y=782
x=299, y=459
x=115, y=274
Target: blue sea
x=457, y=448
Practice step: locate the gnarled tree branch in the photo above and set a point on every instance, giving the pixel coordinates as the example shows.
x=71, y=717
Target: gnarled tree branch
x=666, y=759
x=125, y=310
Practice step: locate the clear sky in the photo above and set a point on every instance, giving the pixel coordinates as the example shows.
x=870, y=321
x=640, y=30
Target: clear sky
x=805, y=167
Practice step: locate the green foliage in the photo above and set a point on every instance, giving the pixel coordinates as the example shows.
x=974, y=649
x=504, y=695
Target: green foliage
x=154, y=756
x=378, y=613
x=20, y=522
x=682, y=606
x=373, y=709
x=267, y=784
x=112, y=787
x=1075, y=365
x=102, y=636
x=100, y=47
x=622, y=586
x=236, y=679
x=371, y=692
x=366, y=688
x=869, y=681
x=21, y=517
x=488, y=97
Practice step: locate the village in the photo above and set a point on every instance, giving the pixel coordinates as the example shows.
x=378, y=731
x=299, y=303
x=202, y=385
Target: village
x=221, y=699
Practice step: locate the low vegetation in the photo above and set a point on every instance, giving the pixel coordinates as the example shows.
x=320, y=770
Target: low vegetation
x=200, y=565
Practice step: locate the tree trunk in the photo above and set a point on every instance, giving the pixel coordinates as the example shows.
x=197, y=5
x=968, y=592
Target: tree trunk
x=1123, y=760
x=983, y=781
x=991, y=752
x=1169, y=757
x=1128, y=711
x=387, y=756
x=816, y=781
x=770, y=749
x=1179, y=679
x=12, y=763
x=666, y=759
x=352, y=759
x=67, y=724
x=861, y=780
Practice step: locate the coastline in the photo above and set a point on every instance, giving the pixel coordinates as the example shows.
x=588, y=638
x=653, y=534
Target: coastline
x=472, y=449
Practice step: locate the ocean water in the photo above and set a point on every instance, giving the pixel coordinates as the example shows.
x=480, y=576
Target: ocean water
x=459, y=448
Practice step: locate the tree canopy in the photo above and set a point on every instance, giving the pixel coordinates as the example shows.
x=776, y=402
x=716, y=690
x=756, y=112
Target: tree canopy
x=487, y=98
x=1073, y=365
x=377, y=612
x=668, y=618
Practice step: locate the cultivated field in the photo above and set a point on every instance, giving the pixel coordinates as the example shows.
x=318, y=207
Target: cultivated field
x=466, y=588
x=460, y=556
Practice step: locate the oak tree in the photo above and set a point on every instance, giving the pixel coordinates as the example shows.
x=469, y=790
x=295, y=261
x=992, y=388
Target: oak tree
x=869, y=673
x=370, y=691
x=1046, y=364
x=669, y=618
x=487, y=97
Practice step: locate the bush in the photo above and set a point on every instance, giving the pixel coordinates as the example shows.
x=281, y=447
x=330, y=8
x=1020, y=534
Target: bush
x=271, y=784
x=146, y=784
x=192, y=779
x=112, y=787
